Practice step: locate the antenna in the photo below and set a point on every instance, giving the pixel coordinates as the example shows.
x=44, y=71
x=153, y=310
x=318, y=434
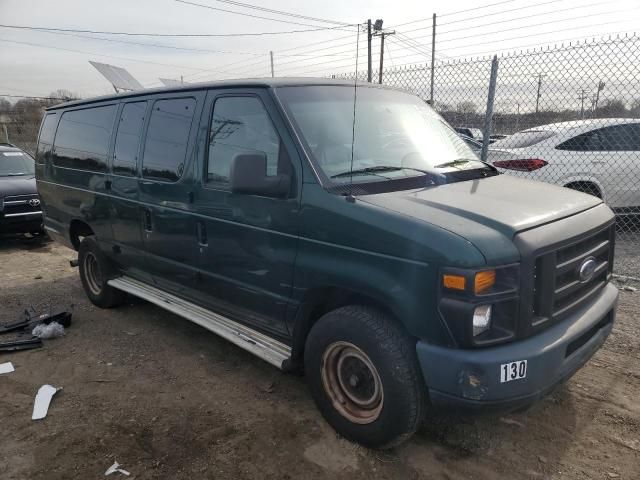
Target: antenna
x=353, y=125
x=172, y=82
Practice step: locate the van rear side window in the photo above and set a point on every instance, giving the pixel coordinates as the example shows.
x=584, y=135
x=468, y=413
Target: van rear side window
x=125, y=154
x=47, y=132
x=167, y=139
x=82, y=140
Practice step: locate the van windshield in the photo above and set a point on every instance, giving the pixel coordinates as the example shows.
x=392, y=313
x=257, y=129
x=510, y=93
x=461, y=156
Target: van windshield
x=396, y=135
x=15, y=164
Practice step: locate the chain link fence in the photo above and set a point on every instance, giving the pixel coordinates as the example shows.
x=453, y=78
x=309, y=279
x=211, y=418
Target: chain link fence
x=568, y=115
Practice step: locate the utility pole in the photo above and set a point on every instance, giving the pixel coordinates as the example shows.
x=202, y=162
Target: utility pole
x=369, y=35
x=517, y=116
x=382, y=35
x=271, y=55
x=540, y=77
x=433, y=58
x=582, y=97
x=488, y=118
x=595, y=103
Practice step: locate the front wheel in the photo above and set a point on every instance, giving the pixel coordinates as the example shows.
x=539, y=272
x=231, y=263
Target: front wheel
x=94, y=273
x=364, y=376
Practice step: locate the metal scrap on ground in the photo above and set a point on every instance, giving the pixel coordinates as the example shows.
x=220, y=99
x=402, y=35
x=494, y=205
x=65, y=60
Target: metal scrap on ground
x=6, y=368
x=115, y=468
x=43, y=399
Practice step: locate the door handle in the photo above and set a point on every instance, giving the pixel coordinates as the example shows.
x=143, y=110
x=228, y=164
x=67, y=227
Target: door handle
x=146, y=213
x=201, y=230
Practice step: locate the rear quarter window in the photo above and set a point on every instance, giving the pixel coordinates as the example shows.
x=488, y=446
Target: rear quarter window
x=523, y=139
x=47, y=133
x=82, y=139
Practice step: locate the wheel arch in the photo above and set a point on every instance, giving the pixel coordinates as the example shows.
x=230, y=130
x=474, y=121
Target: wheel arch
x=576, y=180
x=77, y=230
x=319, y=301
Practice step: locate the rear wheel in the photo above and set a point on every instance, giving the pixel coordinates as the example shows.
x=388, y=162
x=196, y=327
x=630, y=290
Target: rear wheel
x=94, y=273
x=364, y=376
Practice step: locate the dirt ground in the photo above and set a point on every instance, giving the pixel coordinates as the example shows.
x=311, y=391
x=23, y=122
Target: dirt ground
x=169, y=400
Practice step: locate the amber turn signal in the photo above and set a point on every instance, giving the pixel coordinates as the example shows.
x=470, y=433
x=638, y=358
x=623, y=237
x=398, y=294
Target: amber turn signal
x=453, y=282
x=484, y=281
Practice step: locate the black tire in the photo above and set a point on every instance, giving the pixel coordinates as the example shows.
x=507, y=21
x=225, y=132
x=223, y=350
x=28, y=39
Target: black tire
x=95, y=270
x=391, y=351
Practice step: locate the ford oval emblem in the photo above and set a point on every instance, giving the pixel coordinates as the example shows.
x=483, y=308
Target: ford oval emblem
x=587, y=269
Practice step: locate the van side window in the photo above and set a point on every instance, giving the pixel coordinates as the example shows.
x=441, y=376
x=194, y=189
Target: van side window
x=47, y=132
x=82, y=139
x=167, y=138
x=240, y=125
x=125, y=154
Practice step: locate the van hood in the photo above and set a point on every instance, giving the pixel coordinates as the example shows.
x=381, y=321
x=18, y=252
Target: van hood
x=489, y=211
x=22, y=185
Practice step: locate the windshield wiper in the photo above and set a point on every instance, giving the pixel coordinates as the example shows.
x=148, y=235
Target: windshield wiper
x=14, y=174
x=384, y=168
x=364, y=171
x=453, y=163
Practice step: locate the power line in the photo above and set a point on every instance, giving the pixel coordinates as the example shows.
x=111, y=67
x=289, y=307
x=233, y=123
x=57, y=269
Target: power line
x=453, y=13
x=172, y=35
x=135, y=60
x=520, y=27
x=280, y=12
x=32, y=97
x=244, y=61
x=209, y=7
x=171, y=47
x=545, y=33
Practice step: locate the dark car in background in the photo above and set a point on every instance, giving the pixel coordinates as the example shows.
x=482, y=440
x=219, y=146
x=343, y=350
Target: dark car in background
x=20, y=210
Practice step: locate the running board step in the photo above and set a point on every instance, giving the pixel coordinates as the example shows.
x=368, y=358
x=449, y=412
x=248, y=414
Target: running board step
x=260, y=345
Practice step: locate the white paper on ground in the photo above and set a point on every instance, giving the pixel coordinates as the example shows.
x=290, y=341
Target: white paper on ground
x=43, y=399
x=115, y=468
x=6, y=367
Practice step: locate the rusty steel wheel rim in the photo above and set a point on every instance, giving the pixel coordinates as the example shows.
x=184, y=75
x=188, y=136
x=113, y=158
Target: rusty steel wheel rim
x=352, y=383
x=92, y=273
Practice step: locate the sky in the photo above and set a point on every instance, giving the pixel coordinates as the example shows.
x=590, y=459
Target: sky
x=36, y=62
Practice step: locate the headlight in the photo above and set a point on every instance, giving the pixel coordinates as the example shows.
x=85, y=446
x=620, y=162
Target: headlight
x=480, y=306
x=481, y=319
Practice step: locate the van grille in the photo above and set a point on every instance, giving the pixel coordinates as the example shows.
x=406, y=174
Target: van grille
x=558, y=289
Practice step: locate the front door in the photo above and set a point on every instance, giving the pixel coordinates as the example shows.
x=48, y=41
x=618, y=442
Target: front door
x=247, y=243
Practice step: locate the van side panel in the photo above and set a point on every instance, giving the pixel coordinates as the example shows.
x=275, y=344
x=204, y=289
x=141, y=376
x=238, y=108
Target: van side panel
x=72, y=182
x=377, y=254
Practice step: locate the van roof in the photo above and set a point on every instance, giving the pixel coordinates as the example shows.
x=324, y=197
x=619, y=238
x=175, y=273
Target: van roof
x=248, y=82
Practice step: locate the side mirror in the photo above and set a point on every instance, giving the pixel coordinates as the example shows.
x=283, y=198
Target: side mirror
x=249, y=175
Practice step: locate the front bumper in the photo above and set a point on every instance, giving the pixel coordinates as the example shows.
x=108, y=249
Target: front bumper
x=470, y=379
x=21, y=223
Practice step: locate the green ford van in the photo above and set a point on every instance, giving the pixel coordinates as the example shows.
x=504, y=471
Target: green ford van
x=341, y=231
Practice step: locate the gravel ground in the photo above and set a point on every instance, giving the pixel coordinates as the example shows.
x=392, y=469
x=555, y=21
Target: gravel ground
x=627, y=260
x=169, y=400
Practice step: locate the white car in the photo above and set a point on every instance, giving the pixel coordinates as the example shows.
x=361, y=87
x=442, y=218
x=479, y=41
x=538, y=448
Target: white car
x=597, y=156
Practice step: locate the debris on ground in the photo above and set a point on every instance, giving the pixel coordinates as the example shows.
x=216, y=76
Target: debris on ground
x=6, y=368
x=629, y=288
x=115, y=468
x=43, y=399
x=46, y=331
x=63, y=317
x=20, y=344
